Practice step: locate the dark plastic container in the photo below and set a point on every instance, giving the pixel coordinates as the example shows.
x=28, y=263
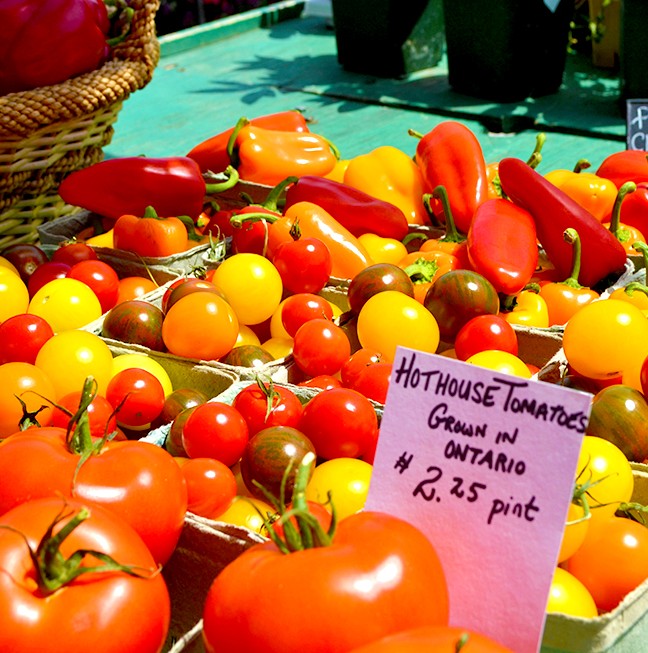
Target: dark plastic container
x=388, y=38
x=632, y=49
x=507, y=50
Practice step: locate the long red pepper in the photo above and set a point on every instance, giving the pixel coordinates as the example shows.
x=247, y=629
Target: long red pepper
x=554, y=211
x=173, y=186
x=354, y=209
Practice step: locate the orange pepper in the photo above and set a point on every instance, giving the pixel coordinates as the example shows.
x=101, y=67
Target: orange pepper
x=530, y=310
x=267, y=156
x=424, y=268
x=390, y=175
x=348, y=255
x=635, y=293
x=150, y=235
x=594, y=193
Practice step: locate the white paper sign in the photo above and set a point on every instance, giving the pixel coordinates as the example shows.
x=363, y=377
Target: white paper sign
x=484, y=463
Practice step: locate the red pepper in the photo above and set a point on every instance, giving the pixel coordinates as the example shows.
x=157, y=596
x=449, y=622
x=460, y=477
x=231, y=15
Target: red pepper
x=450, y=155
x=554, y=211
x=45, y=43
x=626, y=165
x=212, y=154
x=634, y=209
x=354, y=209
x=502, y=245
x=115, y=187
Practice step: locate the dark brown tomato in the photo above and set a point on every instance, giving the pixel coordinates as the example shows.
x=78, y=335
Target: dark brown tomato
x=136, y=322
x=173, y=443
x=180, y=400
x=267, y=456
x=377, y=278
x=250, y=356
x=25, y=258
x=457, y=297
x=190, y=286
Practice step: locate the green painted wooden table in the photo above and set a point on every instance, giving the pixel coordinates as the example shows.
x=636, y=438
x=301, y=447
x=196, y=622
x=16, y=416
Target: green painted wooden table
x=278, y=58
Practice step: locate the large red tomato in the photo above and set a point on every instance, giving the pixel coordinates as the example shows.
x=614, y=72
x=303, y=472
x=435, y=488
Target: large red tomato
x=379, y=575
x=113, y=612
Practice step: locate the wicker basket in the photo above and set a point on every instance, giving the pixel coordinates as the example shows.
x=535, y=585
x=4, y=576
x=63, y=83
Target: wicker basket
x=48, y=132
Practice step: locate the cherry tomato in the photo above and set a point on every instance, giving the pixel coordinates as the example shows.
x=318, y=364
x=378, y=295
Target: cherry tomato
x=301, y=308
x=603, y=338
x=322, y=381
x=320, y=347
x=25, y=257
x=250, y=356
x=144, y=362
x=278, y=347
x=247, y=512
x=66, y=304
x=14, y=295
x=252, y=286
x=69, y=357
x=6, y=263
x=375, y=279
x=356, y=363
x=46, y=273
x=134, y=288
x=576, y=528
x=136, y=322
x=178, y=401
x=27, y=382
x=373, y=381
x=100, y=278
x=391, y=318
x=277, y=329
x=136, y=395
x=211, y=486
x=304, y=265
x=187, y=287
x=500, y=361
x=612, y=561
x=569, y=596
x=341, y=423
x=215, y=430
x=74, y=252
x=347, y=481
x=485, y=332
x=173, y=441
x=21, y=338
x=200, y=325
x=265, y=405
x=101, y=419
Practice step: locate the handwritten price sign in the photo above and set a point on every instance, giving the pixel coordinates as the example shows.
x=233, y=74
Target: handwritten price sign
x=484, y=463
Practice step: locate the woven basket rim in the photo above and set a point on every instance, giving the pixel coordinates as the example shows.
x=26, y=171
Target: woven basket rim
x=130, y=68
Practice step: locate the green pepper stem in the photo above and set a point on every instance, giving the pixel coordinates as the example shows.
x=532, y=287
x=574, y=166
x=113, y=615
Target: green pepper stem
x=615, y=220
x=452, y=234
x=581, y=164
x=232, y=178
x=536, y=156
x=571, y=236
x=231, y=150
x=641, y=248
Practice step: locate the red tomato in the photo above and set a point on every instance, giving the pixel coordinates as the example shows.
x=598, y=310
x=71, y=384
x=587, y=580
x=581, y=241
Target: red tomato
x=136, y=480
x=215, y=430
x=268, y=405
x=100, y=278
x=25, y=257
x=320, y=347
x=44, y=274
x=611, y=561
x=373, y=381
x=74, y=252
x=46, y=619
x=304, y=265
x=348, y=588
x=21, y=338
x=137, y=395
x=485, y=332
x=211, y=485
x=101, y=419
x=322, y=381
x=356, y=363
x=340, y=422
x=318, y=510
x=301, y=308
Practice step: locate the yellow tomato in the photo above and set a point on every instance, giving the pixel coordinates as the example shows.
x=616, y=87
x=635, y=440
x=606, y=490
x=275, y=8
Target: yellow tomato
x=69, y=357
x=144, y=362
x=14, y=296
x=246, y=337
x=278, y=347
x=574, y=533
x=65, y=304
x=347, y=479
x=569, y=596
x=500, y=361
x=391, y=318
x=247, y=512
x=277, y=329
x=6, y=263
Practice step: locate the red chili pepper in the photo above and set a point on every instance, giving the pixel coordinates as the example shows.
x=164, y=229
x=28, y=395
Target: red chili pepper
x=115, y=187
x=450, y=155
x=626, y=165
x=45, y=43
x=212, y=154
x=554, y=211
x=502, y=245
x=354, y=209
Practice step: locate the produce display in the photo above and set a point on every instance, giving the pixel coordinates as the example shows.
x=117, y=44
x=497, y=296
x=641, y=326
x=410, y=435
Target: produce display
x=329, y=266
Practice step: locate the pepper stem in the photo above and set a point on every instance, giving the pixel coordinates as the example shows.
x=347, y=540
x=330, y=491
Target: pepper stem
x=232, y=152
x=452, y=234
x=571, y=236
x=232, y=178
x=615, y=220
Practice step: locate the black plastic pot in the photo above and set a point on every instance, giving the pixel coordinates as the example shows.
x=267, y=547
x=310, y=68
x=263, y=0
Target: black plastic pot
x=508, y=50
x=632, y=49
x=388, y=38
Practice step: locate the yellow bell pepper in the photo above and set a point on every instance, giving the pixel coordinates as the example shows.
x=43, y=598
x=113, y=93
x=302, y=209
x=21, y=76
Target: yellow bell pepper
x=383, y=250
x=392, y=176
x=105, y=239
